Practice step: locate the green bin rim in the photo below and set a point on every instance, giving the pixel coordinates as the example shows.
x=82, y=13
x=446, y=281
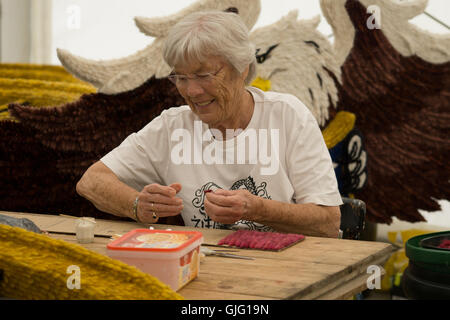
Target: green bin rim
x=415, y=252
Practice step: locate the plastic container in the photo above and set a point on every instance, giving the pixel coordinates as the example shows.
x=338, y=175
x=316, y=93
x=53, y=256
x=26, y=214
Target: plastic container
x=428, y=272
x=85, y=230
x=171, y=256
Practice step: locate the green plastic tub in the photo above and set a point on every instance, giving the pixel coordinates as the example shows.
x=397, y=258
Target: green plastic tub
x=428, y=272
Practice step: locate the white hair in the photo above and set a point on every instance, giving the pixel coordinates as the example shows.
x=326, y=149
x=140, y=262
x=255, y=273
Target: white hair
x=207, y=33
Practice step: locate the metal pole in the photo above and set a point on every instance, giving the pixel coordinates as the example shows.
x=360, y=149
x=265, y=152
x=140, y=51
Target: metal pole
x=437, y=20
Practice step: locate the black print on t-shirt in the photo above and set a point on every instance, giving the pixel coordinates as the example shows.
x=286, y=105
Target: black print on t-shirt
x=202, y=220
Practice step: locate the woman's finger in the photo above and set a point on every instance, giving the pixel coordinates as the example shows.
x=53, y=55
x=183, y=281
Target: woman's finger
x=224, y=192
x=224, y=200
x=146, y=216
x=176, y=187
x=159, y=208
x=163, y=190
x=222, y=214
x=158, y=198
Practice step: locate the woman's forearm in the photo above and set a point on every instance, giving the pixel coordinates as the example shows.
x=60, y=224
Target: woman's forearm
x=102, y=187
x=308, y=219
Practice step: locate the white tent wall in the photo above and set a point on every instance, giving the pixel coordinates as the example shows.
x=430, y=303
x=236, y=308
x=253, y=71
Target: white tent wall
x=31, y=30
x=26, y=31
x=15, y=30
x=104, y=29
x=41, y=37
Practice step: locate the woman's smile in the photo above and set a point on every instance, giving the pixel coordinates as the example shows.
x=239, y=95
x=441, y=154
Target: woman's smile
x=204, y=104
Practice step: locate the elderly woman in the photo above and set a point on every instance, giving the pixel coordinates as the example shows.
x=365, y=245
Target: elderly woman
x=234, y=157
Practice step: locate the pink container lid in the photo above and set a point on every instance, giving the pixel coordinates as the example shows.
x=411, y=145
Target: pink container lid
x=155, y=240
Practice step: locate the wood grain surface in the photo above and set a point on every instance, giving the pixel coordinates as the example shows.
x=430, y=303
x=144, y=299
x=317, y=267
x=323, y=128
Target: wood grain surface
x=316, y=268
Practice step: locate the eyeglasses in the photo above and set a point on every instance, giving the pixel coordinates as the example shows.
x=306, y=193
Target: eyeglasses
x=201, y=78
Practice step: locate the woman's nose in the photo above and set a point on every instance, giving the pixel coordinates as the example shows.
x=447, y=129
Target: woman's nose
x=193, y=88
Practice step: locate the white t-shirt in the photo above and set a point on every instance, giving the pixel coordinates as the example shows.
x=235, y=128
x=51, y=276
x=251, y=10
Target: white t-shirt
x=281, y=155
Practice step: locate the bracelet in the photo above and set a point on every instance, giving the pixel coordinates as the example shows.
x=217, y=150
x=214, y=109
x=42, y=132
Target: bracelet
x=135, y=211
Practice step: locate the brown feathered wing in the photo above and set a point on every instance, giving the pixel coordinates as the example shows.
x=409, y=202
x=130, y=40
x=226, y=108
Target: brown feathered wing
x=50, y=148
x=403, y=109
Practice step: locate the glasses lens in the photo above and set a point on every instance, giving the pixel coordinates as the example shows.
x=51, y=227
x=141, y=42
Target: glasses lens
x=204, y=78
x=173, y=79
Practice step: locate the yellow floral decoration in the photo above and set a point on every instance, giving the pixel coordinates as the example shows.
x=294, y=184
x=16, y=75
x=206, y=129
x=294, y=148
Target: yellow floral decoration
x=263, y=84
x=37, y=72
x=35, y=266
x=338, y=128
x=38, y=86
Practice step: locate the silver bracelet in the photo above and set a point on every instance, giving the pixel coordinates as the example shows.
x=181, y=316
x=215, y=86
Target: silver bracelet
x=135, y=209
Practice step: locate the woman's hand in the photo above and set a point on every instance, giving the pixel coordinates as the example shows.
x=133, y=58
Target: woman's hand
x=230, y=206
x=160, y=200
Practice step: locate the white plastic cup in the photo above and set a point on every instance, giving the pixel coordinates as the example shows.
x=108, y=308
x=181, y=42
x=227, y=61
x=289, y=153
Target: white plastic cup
x=85, y=230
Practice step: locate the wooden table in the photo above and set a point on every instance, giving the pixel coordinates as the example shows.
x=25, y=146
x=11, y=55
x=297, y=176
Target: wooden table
x=316, y=268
